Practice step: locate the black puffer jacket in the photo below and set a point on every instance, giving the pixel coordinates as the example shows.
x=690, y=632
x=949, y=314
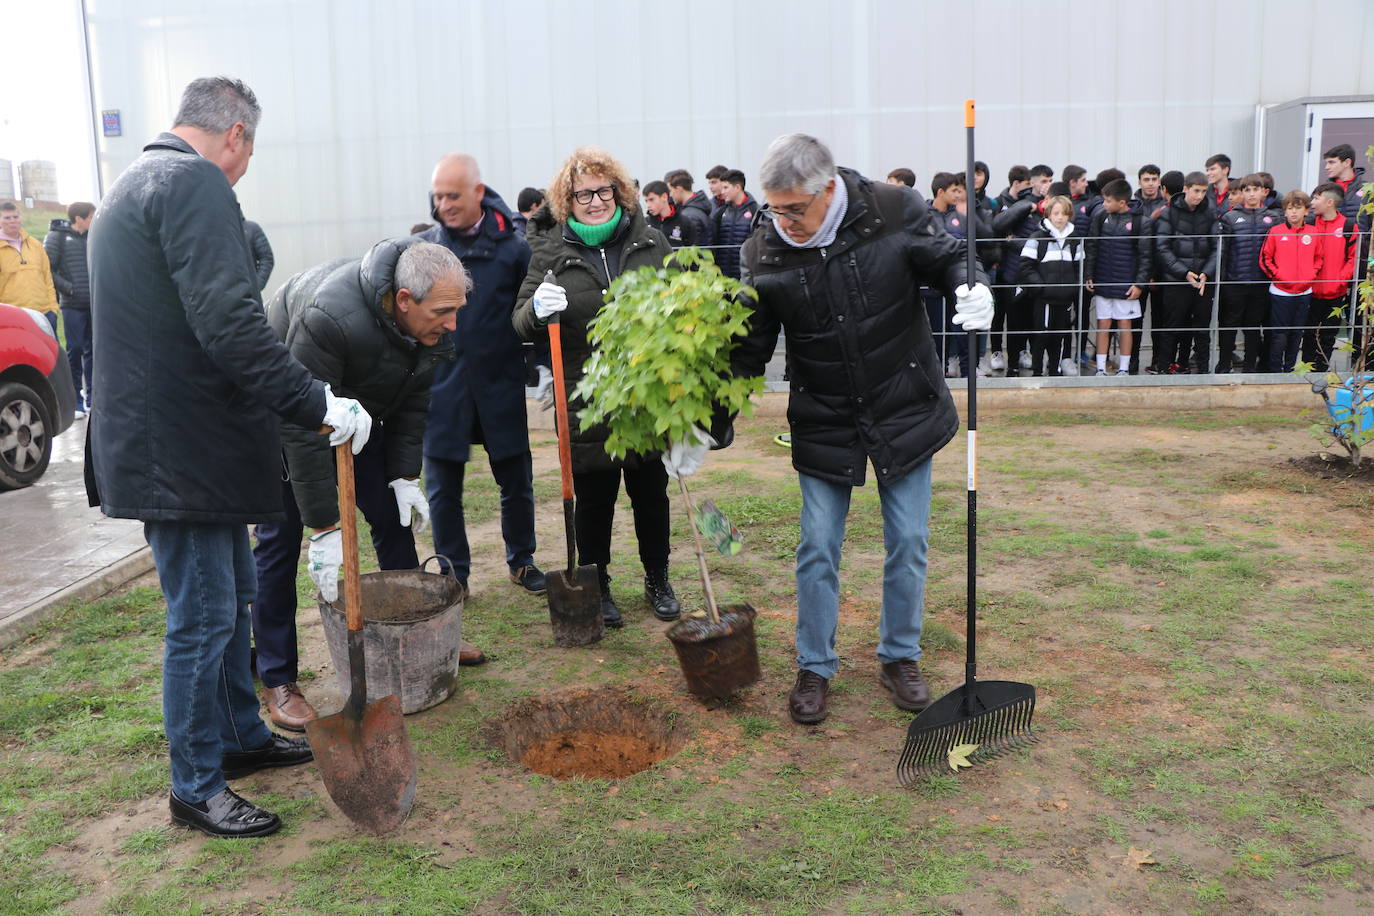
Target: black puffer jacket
x=71, y=277
x=1118, y=250
x=1243, y=232
x=731, y=226
x=866, y=384
x=1185, y=240
x=585, y=273
x=698, y=207
x=1049, y=266
x=1015, y=221
x=332, y=319
x=263, y=259
x=191, y=379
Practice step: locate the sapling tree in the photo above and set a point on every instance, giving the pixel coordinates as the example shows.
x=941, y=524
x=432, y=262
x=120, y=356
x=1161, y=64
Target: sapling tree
x=1350, y=400
x=661, y=364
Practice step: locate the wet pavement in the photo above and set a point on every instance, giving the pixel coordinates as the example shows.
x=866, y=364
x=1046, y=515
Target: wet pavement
x=57, y=548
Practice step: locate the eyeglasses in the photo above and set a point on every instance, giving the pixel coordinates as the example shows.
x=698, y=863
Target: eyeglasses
x=585, y=197
x=792, y=215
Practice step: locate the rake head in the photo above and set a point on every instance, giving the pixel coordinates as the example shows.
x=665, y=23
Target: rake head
x=994, y=715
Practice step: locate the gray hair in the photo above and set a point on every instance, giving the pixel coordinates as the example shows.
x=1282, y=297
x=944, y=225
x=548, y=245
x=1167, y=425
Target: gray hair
x=216, y=103
x=423, y=264
x=796, y=162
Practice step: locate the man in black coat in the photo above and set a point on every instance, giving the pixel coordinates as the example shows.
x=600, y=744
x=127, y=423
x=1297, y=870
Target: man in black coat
x=838, y=269
x=263, y=259
x=194, y=386
x=373, y=329
x=65, y=244
x=480, y=398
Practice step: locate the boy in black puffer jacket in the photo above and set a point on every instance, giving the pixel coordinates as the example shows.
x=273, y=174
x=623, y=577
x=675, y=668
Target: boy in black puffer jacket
x=1186, y=258
x=1049, y=267
x=1118, y=269
x=1245, y=290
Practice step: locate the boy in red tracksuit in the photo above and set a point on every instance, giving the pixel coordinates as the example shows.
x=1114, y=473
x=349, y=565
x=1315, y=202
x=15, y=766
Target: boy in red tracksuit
x=1291, y=258
x=1338, y=239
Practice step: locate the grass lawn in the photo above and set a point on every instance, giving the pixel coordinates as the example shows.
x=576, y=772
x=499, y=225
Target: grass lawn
x=1194, y=612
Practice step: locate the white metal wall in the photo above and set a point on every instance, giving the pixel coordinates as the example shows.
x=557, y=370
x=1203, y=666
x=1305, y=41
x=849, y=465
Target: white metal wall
x=361, y=96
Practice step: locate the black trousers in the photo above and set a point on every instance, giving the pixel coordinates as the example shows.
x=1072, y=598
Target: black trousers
x=1051, y=344
x=277, y=556
x=647, y=487
x=1319, y=337
x=1243, y=305
x=444, y=489
x=1183, y=312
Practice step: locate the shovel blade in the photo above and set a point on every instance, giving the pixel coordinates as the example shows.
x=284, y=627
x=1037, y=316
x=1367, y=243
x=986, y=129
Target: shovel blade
x=367, y=763
x=994, y=715
x=575, y=606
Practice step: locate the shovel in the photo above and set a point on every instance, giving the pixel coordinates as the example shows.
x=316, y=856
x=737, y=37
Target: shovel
x=363, y=751
x=574, y=593
x=978, y=719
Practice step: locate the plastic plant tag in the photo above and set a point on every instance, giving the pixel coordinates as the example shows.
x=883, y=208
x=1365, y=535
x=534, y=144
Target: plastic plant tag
x=716, y=528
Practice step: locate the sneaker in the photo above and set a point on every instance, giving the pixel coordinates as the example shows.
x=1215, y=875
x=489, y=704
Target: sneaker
x=1024, y=361
x=1123, y=371
x=1100, y=372
x=530, y=579
x=981, y=372
x=1153, y=370
x=952, y=367
x=1174, y=369
x=997, y=362
x=1068, y=367
x=80, y=412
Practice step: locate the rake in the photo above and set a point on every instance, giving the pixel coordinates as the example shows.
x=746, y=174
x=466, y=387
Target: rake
x=978, y=719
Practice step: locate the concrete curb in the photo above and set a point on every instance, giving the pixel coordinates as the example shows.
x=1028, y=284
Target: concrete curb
x=97, y=585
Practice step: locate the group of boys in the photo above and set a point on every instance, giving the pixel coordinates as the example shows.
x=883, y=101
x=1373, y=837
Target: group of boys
x=1280, y=271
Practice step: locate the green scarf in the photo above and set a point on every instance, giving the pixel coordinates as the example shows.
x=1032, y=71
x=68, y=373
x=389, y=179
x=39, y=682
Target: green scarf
x=597, y=235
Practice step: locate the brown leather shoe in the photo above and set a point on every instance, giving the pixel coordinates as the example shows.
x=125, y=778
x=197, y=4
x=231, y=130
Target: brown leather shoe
x=809, y=701
x=288, y=708
x=903, y=680
x=468, y=654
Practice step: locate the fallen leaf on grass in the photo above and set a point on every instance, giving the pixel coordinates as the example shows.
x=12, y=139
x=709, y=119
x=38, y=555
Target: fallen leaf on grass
x=958, y=756
x=1138, y=858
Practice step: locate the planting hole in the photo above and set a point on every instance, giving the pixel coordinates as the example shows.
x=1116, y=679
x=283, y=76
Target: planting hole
x=599, y=734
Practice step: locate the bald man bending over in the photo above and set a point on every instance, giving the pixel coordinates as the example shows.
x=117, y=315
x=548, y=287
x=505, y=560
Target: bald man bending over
x=480, y=398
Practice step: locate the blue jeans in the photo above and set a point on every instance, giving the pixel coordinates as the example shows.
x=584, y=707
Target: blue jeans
x=444, y=488
x=78, y=322
x=906, y=514
x=208, y=704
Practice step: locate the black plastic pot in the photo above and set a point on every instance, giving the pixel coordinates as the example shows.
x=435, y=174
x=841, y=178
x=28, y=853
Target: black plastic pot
x=717, y=659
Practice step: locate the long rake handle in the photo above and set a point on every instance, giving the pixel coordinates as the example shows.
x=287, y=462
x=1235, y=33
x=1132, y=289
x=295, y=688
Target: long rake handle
x=970, y=245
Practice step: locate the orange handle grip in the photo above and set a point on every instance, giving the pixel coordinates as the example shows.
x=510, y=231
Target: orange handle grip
x=968, y=112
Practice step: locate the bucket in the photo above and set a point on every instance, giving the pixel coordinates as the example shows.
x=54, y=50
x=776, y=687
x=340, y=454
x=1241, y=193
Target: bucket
x=717, y=660
x=411, y=628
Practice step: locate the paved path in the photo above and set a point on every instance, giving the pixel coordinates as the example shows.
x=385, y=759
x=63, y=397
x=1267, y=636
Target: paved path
x=56, y=546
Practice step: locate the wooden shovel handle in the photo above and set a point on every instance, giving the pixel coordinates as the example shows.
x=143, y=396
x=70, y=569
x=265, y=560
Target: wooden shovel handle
x=560, y=398
x=348, y=521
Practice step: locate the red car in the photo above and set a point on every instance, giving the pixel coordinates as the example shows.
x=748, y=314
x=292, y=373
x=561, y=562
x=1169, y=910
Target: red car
x=37, y=398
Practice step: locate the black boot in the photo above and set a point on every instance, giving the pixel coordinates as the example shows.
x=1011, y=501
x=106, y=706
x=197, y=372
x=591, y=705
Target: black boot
x=658, y=591
x=610, y=614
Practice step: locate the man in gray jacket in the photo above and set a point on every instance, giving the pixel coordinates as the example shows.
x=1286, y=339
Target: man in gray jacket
x=193, y=387
x=373, y=328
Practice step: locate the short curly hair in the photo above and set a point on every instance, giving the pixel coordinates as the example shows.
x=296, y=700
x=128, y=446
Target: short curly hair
x=589, y=160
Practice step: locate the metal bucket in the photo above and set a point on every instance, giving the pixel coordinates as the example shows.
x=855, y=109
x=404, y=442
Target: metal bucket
x=412, y=622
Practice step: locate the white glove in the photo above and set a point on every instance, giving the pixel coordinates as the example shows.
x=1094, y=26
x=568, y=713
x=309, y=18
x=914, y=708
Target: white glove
x=973, y=307
x=684, y=457
x=549, y=298
x=348, y=419
x=543, y=392
x=408, y=497
x=323, y=560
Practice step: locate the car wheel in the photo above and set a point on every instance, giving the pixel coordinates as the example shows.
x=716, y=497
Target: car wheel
x=25, y=436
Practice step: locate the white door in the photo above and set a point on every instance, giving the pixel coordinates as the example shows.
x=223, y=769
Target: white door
x=1332, y=123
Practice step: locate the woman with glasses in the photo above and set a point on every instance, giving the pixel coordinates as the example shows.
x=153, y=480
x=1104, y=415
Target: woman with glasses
x=590, y=230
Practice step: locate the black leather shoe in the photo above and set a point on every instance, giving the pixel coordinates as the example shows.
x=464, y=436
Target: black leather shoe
x=610, y=614
x=904, y=681
x=224, y=815
x=809, y=701
x=658, y=591
x=530, y=579
x=279, y=752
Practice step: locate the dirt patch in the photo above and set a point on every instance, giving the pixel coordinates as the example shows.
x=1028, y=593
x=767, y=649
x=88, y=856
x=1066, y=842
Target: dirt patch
x=1329, y=466
x=602, y=734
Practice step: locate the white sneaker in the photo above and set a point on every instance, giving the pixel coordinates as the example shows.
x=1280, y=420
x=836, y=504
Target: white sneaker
x=1100, y=372
x=952, y=367
x=980, y=372
x=997, y=362
x=1121, y=372
x=1024, y=361
x=1068, y=367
